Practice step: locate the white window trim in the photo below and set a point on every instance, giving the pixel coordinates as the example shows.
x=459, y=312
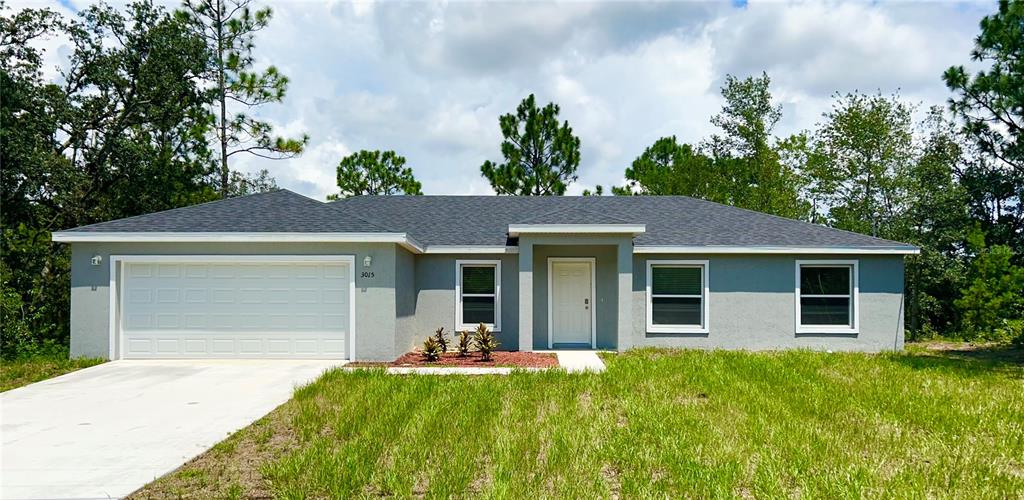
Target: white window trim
x=705, y=297
x=853, y=265
x=459, y=324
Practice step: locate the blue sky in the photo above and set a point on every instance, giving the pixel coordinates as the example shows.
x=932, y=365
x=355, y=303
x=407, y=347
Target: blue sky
x=429, y=79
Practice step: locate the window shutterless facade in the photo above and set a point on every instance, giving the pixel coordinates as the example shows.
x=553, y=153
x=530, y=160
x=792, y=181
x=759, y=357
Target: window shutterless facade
x=677, y=296
x=827, y=296
x=477, y=294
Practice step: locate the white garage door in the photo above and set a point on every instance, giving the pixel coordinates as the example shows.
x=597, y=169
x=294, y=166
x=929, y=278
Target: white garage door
x=235, y=309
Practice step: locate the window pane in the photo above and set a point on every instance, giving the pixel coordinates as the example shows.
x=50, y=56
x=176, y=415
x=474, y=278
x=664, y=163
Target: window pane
x=478, y=279
x=675, y=311
x=825, y=311
x=478, y=310
x=676, y=280
x=824, y=280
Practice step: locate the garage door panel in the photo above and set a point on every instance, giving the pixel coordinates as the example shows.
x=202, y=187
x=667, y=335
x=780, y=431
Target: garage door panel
x=247, y=310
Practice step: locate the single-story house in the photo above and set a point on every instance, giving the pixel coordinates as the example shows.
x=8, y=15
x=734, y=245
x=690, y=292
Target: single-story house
x=279, y=275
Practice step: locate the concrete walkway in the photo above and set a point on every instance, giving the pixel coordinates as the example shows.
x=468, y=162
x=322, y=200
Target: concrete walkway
x=580, y=361
x=105, y=431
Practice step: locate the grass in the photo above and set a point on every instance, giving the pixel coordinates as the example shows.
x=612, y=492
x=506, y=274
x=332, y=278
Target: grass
x=23, y=371
x=925, y=423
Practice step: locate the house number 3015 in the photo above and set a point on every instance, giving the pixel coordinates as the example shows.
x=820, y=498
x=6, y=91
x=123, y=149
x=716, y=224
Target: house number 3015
x=366, y=274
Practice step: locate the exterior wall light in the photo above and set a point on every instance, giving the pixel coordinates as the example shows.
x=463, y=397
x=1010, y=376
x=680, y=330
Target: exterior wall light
x=96, y=260
x=367, y=261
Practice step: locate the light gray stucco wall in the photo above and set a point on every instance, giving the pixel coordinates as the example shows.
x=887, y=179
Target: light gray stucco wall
x=435, y=295
x=752, y=305
x=375, y=299
x=405, y=301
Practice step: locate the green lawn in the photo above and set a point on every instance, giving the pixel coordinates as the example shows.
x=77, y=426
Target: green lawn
x=16, y=373
x=656, y=423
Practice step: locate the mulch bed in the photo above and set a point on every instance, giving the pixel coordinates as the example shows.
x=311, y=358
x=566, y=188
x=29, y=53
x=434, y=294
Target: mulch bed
x=498, y=358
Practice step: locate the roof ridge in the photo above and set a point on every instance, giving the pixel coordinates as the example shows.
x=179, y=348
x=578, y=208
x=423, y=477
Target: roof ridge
x=573, y=207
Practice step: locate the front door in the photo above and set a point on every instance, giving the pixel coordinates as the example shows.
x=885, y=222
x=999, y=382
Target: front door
x=571, y=302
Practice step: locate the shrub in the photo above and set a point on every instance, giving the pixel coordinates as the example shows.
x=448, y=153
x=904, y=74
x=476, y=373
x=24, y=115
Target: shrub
x=485, y=342
x=442, y=339
x=431, y=349
x=464, y=341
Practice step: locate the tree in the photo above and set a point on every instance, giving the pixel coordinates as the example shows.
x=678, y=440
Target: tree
x=228, y=27
x=990, y=105
x=670, y=168
x=861, y=160
x=541, y=157
x=746, y=158
x=245, y=184
x=375, y=172
x=993, y=303
x=122, y=133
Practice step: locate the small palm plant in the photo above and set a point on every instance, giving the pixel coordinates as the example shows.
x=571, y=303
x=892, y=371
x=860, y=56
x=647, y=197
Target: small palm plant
x=431, y=349
x=485, y=342
x=442, y=339
x=465, y=338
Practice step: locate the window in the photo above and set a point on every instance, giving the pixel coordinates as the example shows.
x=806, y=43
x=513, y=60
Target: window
x=477, y=294
x=677, y=296
x=826, y=296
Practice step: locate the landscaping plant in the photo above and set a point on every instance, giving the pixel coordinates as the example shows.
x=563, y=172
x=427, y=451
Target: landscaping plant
x=485, y=341
x=464, y=342
x=442, y=339
x=431, y=349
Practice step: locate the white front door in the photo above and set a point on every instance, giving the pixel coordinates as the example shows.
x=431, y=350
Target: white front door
x=571, y=301
x=224, y=309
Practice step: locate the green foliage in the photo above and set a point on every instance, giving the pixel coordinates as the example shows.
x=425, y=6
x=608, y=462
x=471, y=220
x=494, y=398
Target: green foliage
x=742, y=167
x=860, y=160
x=228, y=29
x=432, y=349
x=485, y=342
x=541, y=157
x=670, y=168
x=990, y=102
x=122, y=134
x=375, y=172
x=992, y=305
x=463, y=345
x=243, y=184
x=442, y=339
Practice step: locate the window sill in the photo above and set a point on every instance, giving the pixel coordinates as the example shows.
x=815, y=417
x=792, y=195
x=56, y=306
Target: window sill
x=675, y=330
x=473, y=327
x=824, y=330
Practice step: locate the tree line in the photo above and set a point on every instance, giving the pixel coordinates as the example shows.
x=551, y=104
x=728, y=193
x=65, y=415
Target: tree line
x=152, y=107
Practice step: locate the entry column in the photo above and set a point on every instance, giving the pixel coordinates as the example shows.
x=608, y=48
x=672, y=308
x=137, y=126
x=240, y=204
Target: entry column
x=525, y=294
x=624, y=336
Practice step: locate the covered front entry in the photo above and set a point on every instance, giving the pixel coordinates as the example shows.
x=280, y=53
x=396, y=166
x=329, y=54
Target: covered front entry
x=571, y=309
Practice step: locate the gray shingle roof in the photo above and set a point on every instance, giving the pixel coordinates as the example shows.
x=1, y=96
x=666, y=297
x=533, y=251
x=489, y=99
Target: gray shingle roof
x=484, y=220
x=276, y=211
x=670, y=220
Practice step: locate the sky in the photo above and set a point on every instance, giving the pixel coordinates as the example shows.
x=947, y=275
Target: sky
x=430, y=79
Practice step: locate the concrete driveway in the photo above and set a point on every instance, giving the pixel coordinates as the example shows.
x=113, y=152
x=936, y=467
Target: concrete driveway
x=107, y=430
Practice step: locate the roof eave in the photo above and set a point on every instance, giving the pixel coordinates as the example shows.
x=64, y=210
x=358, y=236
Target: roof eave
x=633, y=229
x=790, y=250
x=401, y=239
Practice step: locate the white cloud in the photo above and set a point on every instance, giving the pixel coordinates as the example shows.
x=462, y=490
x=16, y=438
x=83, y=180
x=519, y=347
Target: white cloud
x=429, y=80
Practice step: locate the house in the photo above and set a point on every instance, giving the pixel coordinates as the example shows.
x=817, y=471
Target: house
x=281, y=275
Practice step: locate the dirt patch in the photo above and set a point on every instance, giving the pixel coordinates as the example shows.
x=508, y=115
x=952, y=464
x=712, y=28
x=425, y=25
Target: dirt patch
x=231, y=469
x=516, y=359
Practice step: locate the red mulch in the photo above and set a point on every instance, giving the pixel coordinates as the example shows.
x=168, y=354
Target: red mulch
x=498, y=358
